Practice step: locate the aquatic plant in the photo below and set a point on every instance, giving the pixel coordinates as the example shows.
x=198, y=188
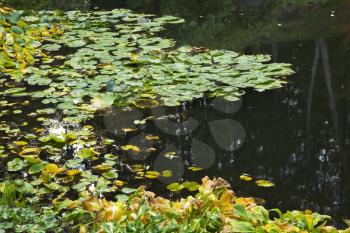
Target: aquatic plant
x=20, y=40
x=116, y=58
x=27, y=219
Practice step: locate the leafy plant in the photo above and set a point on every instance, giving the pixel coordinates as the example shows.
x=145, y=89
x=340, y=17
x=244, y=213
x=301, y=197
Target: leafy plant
x=215, y=208
x=8, y=192
x=27, y=219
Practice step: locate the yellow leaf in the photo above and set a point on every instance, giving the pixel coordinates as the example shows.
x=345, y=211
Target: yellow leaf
x=29, y=152
x=133, y=57
x=152, y=174
x=112, y=211
x=92, y=204
x=194, y=169
x=72, y=172
x=245, y=201
x=127, y=130
x=309, y=222
x=138, y=168
x=49, y=171
x=167, y=173
x=264, y=183
x=32, y=160
x=82, y=229
x=103, y=167
x=21, y=143
x=151, y=137
x=245, y=177
x=119, y=183
x=131, y=148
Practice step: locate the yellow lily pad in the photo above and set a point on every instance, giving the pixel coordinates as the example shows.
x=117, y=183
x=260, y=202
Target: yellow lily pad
x=264, y=183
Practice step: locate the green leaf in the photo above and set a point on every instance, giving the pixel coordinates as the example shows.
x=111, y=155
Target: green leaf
x=16, y=165
x=240, y=226
x=127, y=190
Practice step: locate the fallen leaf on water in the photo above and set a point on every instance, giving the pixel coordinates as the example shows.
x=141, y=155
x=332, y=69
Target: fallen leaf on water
x=194, y=169
x=131, y=148
x=245, y=177
x=264, y=183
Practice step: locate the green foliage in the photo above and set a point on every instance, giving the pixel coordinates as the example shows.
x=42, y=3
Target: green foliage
x=20, y=39
x=215, y=208
x=27, y=219
x=8, y=194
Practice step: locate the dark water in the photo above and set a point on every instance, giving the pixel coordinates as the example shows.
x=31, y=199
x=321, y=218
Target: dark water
x=297, y=136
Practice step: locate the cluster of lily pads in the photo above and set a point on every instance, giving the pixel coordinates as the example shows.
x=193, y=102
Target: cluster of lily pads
x=116, y=57
x=80, y=63
x=20, y=39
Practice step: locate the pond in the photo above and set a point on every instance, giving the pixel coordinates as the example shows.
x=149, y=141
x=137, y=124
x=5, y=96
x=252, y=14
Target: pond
x=297, y=136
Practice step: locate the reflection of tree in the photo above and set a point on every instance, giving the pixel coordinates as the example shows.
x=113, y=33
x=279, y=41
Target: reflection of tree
x=309, y=101
x=321, y=50
x=328, y=80
x=327, y=168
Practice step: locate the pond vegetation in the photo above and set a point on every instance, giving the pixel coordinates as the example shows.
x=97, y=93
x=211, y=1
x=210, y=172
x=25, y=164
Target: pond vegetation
x=62, y=69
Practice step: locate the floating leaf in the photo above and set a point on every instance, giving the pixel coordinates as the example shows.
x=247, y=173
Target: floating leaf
x=36, y=168
x=102, y=101
x=87, y=153
x=167, y=173
x=49, y=172
x=127, y=190
x=52, y=186
x=21, y=143
x=110, y=175
x=73, y=172
x=191, y=186
x=51, y=47
x=245, y=177
x=53, y=138
x=175, y=187
x=122, y=197
x=16, y=165
x=152, y=174
x=76, y=43
x=151, y=137
x=194, y=169
x=132, y=148
x=30, y=152
x=264, y=183
x=103, y=167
